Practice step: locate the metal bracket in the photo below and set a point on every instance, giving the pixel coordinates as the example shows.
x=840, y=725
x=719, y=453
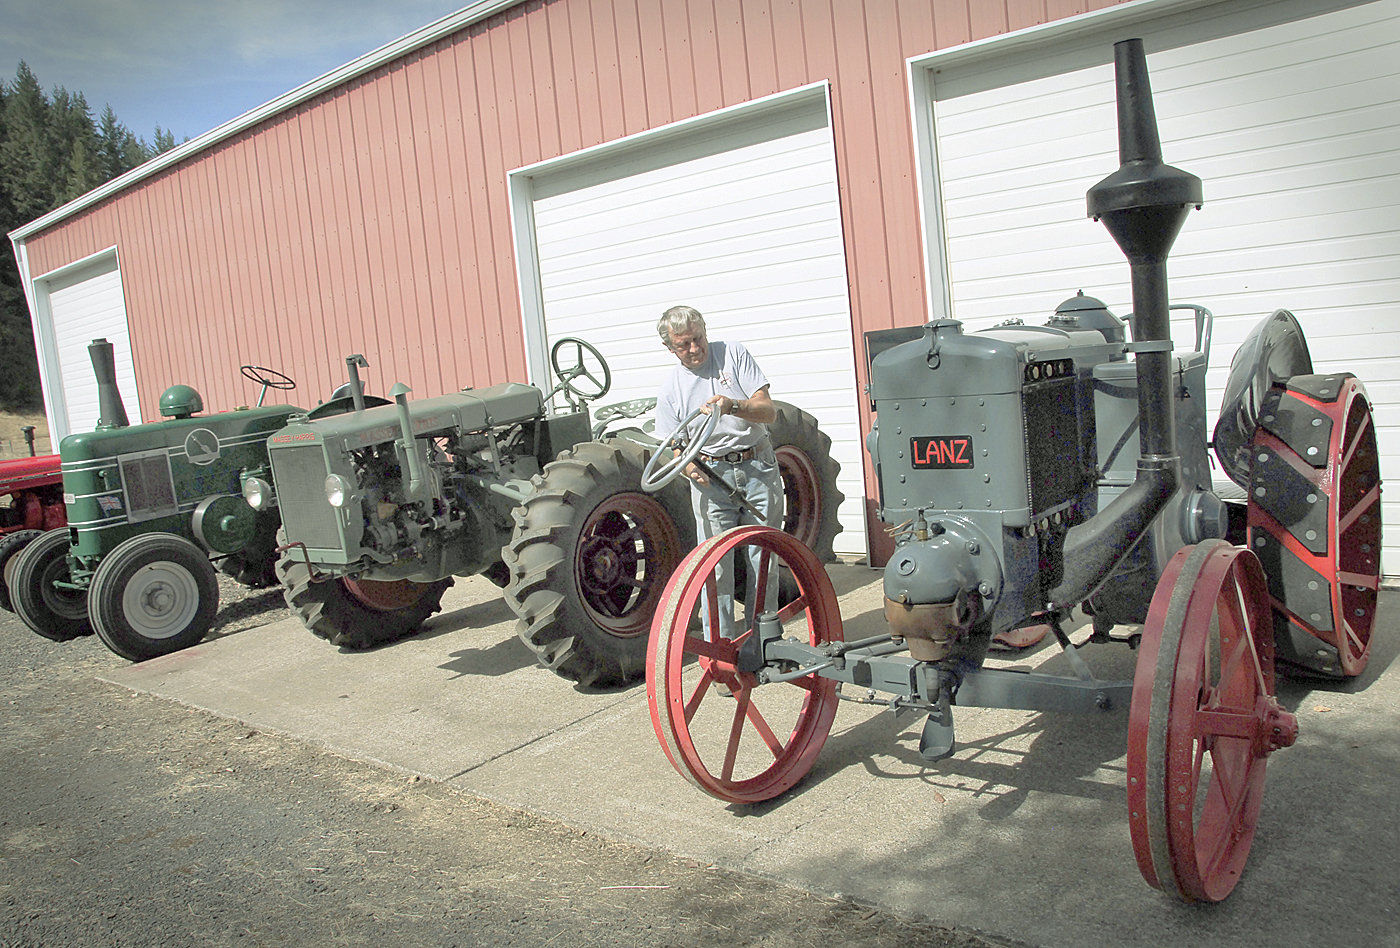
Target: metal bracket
x=1150, y=345
x=311, y=573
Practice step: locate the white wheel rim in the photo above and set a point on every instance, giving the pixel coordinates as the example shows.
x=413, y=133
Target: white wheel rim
x=161, y=600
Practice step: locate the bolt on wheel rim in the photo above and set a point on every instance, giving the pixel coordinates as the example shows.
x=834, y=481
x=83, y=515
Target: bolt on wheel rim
x=802, y=501
x=161, y=600
x=384, y=595
x=627, y=548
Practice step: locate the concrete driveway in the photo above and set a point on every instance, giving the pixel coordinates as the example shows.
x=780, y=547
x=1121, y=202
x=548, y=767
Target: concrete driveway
x=1022, y=834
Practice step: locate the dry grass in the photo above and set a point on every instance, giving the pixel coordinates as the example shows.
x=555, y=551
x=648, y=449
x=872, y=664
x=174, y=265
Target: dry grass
x=12, y=439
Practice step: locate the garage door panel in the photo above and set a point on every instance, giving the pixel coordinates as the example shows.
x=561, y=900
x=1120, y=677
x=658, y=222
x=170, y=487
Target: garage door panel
x=1294, y=128
x=583, y=266
x=751, y=236
x=587, y=247
x=83, y=305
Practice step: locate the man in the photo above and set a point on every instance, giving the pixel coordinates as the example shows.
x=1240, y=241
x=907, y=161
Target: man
x=722, y=377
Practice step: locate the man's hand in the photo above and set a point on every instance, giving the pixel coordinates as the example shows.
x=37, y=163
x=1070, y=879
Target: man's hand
x=696, y=475
x=758, y=407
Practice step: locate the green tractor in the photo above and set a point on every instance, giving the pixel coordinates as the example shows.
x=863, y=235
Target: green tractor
x=152, y=509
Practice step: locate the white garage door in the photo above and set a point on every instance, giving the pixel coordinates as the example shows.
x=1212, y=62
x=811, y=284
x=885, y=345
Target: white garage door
x=742, y=223
x=85, y=305
x=1294, y=127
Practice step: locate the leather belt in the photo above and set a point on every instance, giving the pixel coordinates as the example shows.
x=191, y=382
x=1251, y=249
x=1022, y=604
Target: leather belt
x=733, y=457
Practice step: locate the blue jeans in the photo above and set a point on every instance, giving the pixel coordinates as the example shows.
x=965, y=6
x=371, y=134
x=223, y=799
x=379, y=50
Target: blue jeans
x=761, y=484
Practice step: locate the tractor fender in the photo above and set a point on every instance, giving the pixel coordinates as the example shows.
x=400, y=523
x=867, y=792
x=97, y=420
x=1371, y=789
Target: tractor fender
x=1273, y=352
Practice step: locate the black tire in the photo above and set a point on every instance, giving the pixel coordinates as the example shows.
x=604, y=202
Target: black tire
x=357, y=614
x=156, y=593
x=54, y=613
x=810, y=494
x=255, y=566
x=589, y=559
x=11, y=544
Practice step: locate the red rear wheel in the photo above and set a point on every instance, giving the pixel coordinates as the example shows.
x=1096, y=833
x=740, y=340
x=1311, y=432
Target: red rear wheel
x=723, y=731
x=1203, y=722
x=1315, y=520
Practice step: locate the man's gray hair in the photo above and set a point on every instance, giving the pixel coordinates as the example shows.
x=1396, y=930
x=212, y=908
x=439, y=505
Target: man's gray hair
x=679, y=319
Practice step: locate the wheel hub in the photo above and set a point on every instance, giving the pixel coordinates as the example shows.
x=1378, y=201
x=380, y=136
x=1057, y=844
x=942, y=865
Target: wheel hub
x=158, y=599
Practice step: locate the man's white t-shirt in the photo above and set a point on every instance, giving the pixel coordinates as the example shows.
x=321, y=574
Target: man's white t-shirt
x=729, y=370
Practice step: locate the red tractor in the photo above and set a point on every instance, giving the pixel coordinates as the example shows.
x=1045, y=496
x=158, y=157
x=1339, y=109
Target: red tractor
x=31, y=502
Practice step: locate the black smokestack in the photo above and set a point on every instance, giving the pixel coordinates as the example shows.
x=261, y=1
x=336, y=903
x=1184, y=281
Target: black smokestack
x=111, y=411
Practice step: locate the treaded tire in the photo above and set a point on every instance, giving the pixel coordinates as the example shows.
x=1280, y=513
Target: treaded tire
x=54, y=614
x=10, y=545
x=255, y=566
x=357, y=615
x=589, y=560
x=154, y=594
x=811, y=497
x=1314, y=520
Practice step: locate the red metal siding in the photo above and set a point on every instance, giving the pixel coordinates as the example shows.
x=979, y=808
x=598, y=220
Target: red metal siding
x=375, y=218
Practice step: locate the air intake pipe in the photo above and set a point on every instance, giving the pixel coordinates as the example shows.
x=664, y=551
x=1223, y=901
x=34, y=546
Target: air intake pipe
x=111, y=411
x=1143, y=204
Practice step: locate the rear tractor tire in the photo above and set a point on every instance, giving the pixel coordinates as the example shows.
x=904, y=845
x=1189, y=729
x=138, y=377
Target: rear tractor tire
x=1314, y=521
x=10, y=545
x=589, y=559
x=52, y=611
x=357, y=614
x=154, y=594
x=810, y=495
x=254, y=566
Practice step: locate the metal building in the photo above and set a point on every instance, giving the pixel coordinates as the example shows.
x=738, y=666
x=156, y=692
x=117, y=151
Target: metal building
x=800, y=170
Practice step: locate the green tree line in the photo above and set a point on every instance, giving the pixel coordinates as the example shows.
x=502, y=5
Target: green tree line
x=51, y=151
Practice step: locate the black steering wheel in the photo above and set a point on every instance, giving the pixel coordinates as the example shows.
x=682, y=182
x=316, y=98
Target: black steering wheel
x=267, y=378
x=573, y=377
x=654, y=478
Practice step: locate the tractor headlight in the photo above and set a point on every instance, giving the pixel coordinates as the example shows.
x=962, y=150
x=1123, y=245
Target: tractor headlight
x=338, y=490
x=257, y=492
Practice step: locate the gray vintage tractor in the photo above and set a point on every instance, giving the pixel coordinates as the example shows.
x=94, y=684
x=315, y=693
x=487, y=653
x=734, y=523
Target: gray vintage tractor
x=1030, y=470
x=383, y=504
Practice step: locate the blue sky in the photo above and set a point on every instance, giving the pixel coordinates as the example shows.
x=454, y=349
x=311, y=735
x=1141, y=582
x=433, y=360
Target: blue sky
x=189, y=65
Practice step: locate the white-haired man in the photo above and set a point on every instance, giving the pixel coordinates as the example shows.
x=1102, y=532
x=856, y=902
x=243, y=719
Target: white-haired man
x=715, y=376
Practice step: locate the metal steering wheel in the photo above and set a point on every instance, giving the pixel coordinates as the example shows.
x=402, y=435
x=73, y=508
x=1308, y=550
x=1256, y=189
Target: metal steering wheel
x=654, y=479
x=267, y=378
x=570, y=377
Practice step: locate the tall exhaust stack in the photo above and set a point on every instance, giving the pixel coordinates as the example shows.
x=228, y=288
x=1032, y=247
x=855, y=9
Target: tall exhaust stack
x=111, y=411
x=1143, y=204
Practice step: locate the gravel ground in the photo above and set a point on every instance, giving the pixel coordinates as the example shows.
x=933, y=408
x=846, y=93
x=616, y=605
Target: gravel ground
x=127, y=819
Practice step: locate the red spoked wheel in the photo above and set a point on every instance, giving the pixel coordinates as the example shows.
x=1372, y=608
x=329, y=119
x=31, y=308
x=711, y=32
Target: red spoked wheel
x=722, y=730
x=1315, y=520
x=1203, y=722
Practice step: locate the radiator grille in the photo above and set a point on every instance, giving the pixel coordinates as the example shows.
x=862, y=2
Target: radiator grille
x=1052, y=444
x=301, y=494
x=150, y=489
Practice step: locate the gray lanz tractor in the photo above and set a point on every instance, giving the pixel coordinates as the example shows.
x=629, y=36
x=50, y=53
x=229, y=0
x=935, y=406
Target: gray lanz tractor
x=384, y=503
x=1005, y=461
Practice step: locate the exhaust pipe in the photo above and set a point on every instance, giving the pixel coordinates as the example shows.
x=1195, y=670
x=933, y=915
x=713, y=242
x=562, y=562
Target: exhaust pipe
x=111, y=411
x=1143, y=204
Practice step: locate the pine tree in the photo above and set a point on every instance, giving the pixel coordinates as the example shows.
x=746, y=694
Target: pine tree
x=50, y=153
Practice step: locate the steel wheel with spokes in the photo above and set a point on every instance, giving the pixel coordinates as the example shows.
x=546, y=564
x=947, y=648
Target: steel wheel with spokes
x=1203, y=722
x=721, y=728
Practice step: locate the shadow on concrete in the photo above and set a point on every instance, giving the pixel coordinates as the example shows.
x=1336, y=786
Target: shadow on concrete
x=499, y=658
x=478, y=615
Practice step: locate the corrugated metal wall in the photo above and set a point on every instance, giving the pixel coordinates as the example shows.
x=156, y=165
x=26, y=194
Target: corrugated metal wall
x=375, y=217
